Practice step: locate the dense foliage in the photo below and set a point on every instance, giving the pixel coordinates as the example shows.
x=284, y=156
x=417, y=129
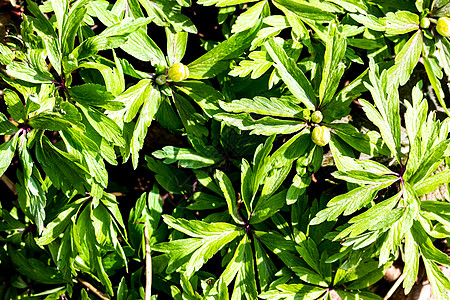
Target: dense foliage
x=311, y=135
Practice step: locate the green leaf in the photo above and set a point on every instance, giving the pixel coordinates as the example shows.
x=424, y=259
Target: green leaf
x=132, y=98
x=429, y=63
x=222, y=3
x=380, y=216
x=168, y=12
x=170, y=178
x=429, y=162
x=411, y=263
x=348, y=203
x=294, y=291
x=369, y=143
x=292, y=76
x=22, y=71
x=141, y=46
x=71, y=25
x=264, y=106
x=176, y=45
x=6, y=127
x=187, y=158
x=266, y=268
x=432, y=183
x=203, y=94
x=245, y=285
x=15, y=105
x=66, y=117
x=91, y=94
x=406, y=60
x=249, y=18
x=370, y=21
x=334, y=66
x=401, y=22
x=383, y=125
x=57, y=226
x=63, y=169
x=6, y=55
x=148, y=111
x=218, y=59
x=214, y=236
x=264, y=126
x=439, y=282
x=266, y=208
x=104, y=126
x=33, y=268
x=427, y=249
x=7, y=150
x=32, y=198
x=230, y=196
x=310, y=276
x=305, y=10
x=42, y=23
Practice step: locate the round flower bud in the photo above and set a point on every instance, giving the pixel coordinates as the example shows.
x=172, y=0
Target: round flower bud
x=443, y=26
x=320, y=135
x=306, y=114
x=424, y=23
x=161, y=79
x=316, y=117
x=178, y=72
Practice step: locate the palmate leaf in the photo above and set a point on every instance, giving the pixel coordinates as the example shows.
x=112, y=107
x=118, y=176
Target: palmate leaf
x=213, y=237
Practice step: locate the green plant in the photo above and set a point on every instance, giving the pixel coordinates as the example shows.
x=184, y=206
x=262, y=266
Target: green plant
x=280, y=172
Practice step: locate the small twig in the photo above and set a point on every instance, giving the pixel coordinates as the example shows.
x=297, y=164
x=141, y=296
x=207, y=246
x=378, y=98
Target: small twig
x=9, y=184
x=92, y=289
x=148, y=266
x=395, y=286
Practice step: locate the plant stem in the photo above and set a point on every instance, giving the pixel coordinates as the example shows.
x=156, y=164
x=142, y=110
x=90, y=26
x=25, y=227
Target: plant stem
x=92, y=289
x=148, y=265
x=9, y=184
x=395, y=286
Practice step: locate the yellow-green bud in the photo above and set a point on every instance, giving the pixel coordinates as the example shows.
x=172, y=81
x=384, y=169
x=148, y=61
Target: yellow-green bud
x=316, y=117
x=443, y=26
x=306, y=114
x=424, y=23
x=320, y=135
x=161, y=79
x=178, y=72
